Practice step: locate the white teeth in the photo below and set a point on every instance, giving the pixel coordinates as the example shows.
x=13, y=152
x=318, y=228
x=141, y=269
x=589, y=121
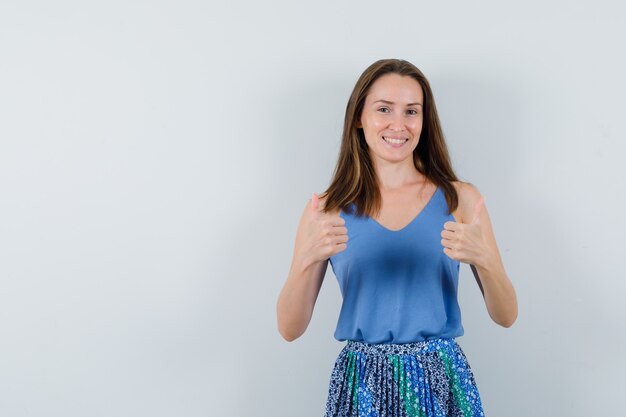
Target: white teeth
x=394, y=141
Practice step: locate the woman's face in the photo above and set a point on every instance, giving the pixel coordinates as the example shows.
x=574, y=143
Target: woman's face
x=392, y=117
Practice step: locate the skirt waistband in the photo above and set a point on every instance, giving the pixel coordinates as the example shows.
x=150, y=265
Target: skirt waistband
x=400, y=348
x=426, y=378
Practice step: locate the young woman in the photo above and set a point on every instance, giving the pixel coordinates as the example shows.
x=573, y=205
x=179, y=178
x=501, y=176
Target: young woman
x=395, y=224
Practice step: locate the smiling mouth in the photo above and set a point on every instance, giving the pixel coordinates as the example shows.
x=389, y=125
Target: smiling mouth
x=395, y=141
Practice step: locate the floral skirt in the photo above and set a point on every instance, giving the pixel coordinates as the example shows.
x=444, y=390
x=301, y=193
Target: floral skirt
x=427, y=378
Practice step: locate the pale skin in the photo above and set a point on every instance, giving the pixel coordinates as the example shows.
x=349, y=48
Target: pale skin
x=393, y=109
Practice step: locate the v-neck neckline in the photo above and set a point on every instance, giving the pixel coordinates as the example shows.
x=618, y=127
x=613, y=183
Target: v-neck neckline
x=432, y=197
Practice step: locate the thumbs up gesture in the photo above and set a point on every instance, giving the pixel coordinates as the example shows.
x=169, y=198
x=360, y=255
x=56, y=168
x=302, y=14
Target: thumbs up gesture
x=326, y=234
x=465, y=241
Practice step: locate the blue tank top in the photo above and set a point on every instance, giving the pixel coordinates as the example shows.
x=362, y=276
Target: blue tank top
x=398, y=286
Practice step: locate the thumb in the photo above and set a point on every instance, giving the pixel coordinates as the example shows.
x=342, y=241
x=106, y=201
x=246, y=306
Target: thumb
x=315, y=202
x=477, y=209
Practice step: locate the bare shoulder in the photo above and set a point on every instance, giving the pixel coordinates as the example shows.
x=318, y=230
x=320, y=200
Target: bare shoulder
x=469, y=194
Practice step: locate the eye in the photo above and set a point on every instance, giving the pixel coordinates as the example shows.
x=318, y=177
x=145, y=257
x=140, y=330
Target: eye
x=382, y=109
x=412, y=112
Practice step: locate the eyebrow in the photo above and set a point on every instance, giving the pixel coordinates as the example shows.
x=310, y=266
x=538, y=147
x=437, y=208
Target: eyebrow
x=391, y=102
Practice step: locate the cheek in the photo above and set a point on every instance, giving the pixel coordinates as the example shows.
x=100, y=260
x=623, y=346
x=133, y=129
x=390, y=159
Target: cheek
x=372, y=126
x=416, y=128
x=378, y=123
x=416, y=124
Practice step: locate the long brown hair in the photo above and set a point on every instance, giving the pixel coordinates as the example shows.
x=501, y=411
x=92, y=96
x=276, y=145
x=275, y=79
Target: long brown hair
x=354, y=179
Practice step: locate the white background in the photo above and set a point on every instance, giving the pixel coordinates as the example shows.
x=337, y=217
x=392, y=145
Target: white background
x=155, y=158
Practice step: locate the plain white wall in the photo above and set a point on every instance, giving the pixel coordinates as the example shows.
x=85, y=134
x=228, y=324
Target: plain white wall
x=155, y=158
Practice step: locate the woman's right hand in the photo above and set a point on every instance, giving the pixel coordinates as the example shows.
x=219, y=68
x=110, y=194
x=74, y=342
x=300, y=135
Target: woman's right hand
x=325, y=234
x=320, y=235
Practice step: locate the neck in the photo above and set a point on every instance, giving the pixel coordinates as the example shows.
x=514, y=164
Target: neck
x=395, y=175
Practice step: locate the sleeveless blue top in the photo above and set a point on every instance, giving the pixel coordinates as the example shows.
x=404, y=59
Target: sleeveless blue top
x=398, y=286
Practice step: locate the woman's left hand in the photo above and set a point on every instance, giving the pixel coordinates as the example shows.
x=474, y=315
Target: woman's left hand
x=464, y=241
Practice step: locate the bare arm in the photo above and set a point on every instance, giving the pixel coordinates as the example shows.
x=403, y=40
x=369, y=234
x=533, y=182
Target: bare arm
x=319, y=236
x=472, y=241
x=498, y=291
x=297, y=298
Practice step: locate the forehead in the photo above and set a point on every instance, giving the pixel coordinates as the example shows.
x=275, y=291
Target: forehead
x=396, y=88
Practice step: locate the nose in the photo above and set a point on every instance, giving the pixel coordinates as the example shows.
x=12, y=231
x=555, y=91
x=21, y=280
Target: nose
x=397, y=122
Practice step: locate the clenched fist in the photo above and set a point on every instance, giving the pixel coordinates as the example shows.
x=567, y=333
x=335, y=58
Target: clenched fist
x=465, y=242
x=325, y=234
